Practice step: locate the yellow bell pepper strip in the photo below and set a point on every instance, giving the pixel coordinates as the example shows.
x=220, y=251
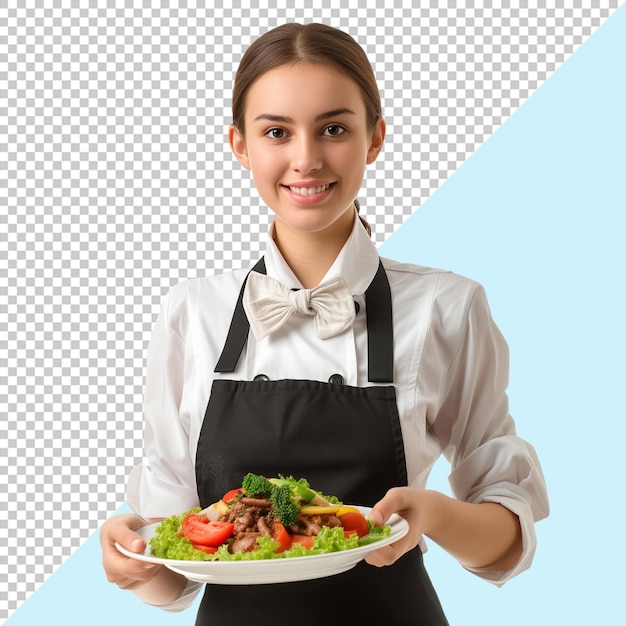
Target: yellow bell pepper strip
x=337, y=509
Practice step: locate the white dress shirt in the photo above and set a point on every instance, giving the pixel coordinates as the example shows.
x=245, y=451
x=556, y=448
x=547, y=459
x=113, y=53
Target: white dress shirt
x=450, y=376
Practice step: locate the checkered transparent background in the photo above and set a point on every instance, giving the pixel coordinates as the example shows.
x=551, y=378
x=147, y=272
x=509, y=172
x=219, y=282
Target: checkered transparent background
x=116, y=182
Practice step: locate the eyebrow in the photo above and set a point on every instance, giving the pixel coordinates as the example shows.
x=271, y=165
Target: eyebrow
x=289, y=120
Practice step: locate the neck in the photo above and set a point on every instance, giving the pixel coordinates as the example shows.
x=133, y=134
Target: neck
x=311, y=254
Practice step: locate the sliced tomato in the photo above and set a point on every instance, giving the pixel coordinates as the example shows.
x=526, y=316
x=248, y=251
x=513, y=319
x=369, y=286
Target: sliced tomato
x=305, y=541
x=207, y=549
x=201, y=530
x=355, y=522
x=280, y=534
x=232, y=494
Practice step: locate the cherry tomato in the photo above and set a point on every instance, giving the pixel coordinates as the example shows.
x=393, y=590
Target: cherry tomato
x=280, y=534
x=232, y=494
x=305, y=541
x=355, y=522
x=201, y=530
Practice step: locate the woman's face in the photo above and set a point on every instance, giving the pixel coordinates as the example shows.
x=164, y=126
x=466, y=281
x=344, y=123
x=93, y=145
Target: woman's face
x=307, y=144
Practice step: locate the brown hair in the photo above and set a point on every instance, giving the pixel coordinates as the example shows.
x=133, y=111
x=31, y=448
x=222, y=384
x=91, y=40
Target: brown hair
x=306, y=43
x=294, y=43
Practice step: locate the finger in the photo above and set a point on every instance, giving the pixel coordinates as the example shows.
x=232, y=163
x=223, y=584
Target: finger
x=126, y=572
x=123, y=531
x=384, y=556
x=136, y=576
x=132, y=541
x=377, y=515
x=391, y=553
x=392, y=502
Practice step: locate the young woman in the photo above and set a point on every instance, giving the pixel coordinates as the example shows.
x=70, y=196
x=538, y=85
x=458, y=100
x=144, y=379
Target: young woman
x=360, y=394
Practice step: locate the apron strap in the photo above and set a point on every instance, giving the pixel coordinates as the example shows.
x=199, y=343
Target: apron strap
x=379, y=329
x=238, y=331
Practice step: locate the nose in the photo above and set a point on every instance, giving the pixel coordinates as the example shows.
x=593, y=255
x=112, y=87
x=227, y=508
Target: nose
x=306, y=155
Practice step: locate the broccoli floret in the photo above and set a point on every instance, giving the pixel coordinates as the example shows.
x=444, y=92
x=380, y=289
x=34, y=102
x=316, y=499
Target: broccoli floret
x=285, y=493
x=256, y=486
x=300, y=488
x=285, y=505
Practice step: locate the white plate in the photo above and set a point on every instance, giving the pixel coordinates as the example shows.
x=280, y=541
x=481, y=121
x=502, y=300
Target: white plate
x=270, y=570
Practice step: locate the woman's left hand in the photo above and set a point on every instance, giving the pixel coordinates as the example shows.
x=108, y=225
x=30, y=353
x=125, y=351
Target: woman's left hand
x=414, y=506
x=483, y=536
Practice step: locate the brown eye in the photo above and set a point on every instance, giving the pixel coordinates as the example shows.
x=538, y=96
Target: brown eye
x=276, y=133
x=334, y=131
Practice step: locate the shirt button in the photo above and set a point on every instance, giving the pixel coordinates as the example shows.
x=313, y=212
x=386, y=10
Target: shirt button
x=263, y=377
x=336, y=379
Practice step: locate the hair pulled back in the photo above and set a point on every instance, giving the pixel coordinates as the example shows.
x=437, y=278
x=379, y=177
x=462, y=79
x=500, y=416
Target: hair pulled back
x=293, y=43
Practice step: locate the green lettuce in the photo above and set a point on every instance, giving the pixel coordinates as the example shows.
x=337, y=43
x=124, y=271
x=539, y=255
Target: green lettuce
x=168, y=544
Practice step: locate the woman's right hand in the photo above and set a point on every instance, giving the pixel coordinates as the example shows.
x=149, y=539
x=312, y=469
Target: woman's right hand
x=125, y=572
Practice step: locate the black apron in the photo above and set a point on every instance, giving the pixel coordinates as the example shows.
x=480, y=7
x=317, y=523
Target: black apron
x=346, y=441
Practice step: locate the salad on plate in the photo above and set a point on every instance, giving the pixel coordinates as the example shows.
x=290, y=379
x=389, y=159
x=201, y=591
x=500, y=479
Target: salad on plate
x=265, y=518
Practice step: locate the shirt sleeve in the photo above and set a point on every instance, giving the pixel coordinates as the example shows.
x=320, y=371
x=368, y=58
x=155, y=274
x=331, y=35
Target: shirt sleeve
x=489, y=461
x=164, y=484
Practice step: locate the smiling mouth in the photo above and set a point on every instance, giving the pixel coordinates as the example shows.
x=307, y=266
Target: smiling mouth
x=309, y=191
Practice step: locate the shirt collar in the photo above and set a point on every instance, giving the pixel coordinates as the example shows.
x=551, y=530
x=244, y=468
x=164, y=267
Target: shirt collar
x=357, y=262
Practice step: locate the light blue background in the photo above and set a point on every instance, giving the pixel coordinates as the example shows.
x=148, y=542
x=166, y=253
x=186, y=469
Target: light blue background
x=537, y=216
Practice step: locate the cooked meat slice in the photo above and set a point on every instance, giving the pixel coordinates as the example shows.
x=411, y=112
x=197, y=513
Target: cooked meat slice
x=244, y=542
x=243, y=522
x=262, y=503
x=263, y=526
x=332, y=521
x=309, y=527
